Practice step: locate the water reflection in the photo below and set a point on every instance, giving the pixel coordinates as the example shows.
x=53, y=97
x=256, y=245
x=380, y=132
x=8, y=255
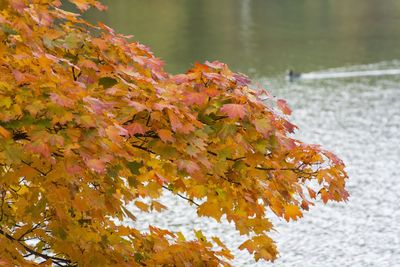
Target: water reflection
x=261, y=37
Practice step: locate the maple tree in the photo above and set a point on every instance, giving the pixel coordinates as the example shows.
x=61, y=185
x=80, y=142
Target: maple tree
x=90, y=121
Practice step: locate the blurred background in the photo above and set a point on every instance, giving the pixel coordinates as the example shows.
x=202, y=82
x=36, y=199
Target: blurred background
x=358, y=118
x=261, y=37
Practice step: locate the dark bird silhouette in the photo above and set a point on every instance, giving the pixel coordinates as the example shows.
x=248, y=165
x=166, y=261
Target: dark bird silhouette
x=291, y=75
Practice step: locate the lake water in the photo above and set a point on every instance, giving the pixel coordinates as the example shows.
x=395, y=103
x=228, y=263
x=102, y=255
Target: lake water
x=261, y=37
x=357, y=118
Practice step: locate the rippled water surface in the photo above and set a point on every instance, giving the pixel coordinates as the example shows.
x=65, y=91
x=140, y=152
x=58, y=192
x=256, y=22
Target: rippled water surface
x=357, y=118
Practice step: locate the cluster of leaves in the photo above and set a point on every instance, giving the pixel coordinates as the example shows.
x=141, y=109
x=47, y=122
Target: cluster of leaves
x=90, y=122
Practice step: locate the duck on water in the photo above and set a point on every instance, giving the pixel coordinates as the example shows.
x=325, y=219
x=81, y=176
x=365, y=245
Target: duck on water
x=291, y=75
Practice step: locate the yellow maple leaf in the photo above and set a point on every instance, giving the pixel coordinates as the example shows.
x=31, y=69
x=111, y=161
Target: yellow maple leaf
x=292, y=212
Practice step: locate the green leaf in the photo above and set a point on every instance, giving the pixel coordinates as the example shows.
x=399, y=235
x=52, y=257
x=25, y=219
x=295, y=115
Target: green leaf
x=72, y=41
x=134, y=167
x=49, y=43
x=133, y=182
x=138, y=257
x=5, y=102
x=113, y=171
x=273, y=140
x=7, y=29
x=227, y=130
x=107, y=82
x=61, y=233
x=225, y=152
x=261, y=145
x=162, y=149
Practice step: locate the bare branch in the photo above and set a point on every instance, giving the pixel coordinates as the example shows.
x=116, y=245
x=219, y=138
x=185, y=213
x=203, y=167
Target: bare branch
x=57, y=260
x=36, y=169
x=182, y=196
x=29, y=231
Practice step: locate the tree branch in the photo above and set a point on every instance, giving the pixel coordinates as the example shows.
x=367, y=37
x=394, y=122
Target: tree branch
x=36, y=169
x=230, y=159
x=29, y=231
x=74, y=76
x=296, y=169
x=143, y=148
x=56, y=260
x=226, y=179
x=182, y=196
x=3, y=196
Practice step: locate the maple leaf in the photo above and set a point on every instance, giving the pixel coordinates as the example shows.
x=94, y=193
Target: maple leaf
x=175, y=122
x=157, y=206
x=106, y=82
x=180, y=78
x=115, y=132
x=312, y=193
x=249, y=245
x=210, y=209
x=96, y=105
x=61, y=100
x=81, y=4
x=333, y=158
x=325, y=195
x=241, y=79
x=138, y=106
x=215, y=64
x=165, y=135
x=186, y=128
x=263, y=126
x=282, y=104
x=18, y=5
x=20, y=77
x=190, y=166
x=40, y=148
x=99, y=6
x=234, y=110
x=200, y=236
x=135, y=128
x=141, y=205
x=90, y=65
x=292, y=212
x=290, y=127
x=5, y=102
x=195, y=98
x=4, y=133
x=96, y=165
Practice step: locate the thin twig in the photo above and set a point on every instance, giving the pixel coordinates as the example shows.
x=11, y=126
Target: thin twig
x=36, y=169
x=181, y=196
x=56, y=260
x=143, y=148
x=29, y=231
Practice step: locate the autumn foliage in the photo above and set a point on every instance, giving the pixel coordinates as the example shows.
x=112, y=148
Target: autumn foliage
x=90, y=121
